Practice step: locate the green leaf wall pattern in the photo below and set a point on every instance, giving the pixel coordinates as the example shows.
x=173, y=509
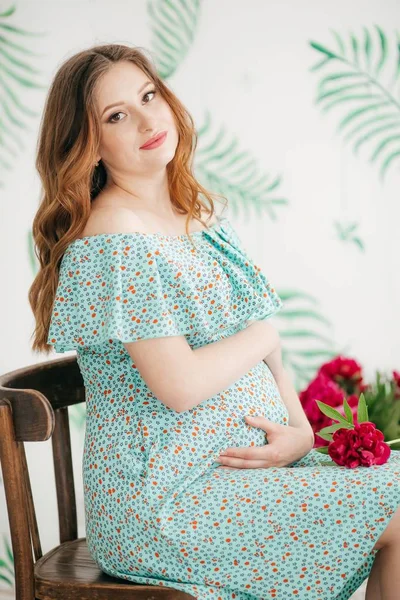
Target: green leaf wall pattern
x=346, y=233
x=305, y=349
x=221, y=167
x=372, y=114
x=16, y=76
x=7, y=563
x=173, y=25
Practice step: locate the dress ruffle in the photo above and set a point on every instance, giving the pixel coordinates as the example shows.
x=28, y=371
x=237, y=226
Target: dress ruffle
x=125, y=286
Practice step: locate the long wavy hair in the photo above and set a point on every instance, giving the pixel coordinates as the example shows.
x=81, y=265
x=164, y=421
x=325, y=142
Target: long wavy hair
x=68, y=144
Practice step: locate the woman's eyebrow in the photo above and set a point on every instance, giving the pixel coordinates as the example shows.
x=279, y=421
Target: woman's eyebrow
x=121, y=101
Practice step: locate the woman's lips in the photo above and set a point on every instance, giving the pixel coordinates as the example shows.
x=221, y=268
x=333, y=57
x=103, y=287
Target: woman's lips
x=155, y=144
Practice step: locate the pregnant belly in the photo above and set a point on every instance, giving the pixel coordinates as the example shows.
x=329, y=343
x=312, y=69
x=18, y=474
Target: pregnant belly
x=161, y=452
x=171, y=446
x=254, y=394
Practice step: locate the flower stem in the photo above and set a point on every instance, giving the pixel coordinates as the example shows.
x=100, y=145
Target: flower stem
x=392, y=442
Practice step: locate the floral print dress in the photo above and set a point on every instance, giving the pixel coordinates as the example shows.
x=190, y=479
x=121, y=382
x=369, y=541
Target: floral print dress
x=159, y=509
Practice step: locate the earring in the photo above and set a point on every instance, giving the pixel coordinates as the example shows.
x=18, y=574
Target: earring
x=97, y=164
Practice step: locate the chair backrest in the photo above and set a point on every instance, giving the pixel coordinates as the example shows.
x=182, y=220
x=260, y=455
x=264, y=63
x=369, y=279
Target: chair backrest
x=34, y=407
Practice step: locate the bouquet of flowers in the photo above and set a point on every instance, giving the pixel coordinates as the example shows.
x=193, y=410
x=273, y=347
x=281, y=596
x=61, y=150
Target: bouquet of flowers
x=353, y=440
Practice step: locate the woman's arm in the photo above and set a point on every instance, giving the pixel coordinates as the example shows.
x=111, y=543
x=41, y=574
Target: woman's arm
x=219, y=364
x=297, y=416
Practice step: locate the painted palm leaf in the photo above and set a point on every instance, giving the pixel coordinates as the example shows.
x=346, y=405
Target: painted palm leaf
x=16, y=76
x=222, y=167
x=173, y=24
x=372, y=109
x=7, y=564
x=307, y=346
x=346, y=233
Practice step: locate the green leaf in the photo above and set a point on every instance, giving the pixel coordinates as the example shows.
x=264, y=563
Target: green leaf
x=331, y=412
x=350, y=97
x=325, y=436
x=351, y=228
x=6, y=579
x=302, y=312
x=339, y=41
x=338, y=90
x=13, y=61
x=8, y=12
x=383, y=50
x=383, y=144
x=359, y=111
x=367, y=47
x=322, y=449
x=358, y=243
x=303, y=333
x=389, y=127
x=8, y=550
x=293, y=294
x=319, y=353
x=347, y=411
x=387, y=162
x=337, y=76
x=371, y=121
x=222, y=166
x=362, y=410
x=354, y=44
x=343, y=88
x=331, y=428
x=174, y=26
x=323, y=50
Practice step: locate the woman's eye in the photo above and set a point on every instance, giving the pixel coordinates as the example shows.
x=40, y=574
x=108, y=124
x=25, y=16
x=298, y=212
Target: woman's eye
x=110, y=120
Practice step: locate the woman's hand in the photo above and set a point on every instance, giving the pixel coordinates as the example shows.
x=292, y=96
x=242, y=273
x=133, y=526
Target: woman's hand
x=286, y=444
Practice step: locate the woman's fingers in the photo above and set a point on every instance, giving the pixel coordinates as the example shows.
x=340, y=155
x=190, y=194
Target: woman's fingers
x=242, y=463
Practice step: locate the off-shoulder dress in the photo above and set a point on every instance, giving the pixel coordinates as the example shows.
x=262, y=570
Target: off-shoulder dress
x=159, y=509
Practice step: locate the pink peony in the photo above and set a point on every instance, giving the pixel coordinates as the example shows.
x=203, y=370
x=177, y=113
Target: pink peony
x=396, y=379
x=346, y=372
x=324, y=389
x=361, y=446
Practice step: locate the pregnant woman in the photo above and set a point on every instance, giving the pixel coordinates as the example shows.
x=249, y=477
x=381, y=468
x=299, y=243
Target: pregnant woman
x=169, y=318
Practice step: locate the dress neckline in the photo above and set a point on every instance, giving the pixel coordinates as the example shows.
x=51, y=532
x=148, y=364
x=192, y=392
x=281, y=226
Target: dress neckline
x=155, y=234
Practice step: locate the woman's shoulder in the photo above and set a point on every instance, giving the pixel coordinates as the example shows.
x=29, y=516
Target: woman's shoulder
x=119, y=219
x=107, y=219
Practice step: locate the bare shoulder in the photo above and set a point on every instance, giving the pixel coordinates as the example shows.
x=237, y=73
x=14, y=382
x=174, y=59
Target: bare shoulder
x=119, y=219
x=110, y=219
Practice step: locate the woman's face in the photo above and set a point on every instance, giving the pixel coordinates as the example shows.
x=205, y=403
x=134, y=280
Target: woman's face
x=139, y=113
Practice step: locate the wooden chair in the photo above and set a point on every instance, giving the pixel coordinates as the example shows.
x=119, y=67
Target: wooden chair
x=34, y=407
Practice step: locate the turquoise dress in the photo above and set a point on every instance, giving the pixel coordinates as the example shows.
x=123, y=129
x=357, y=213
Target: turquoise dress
x=159, y=509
